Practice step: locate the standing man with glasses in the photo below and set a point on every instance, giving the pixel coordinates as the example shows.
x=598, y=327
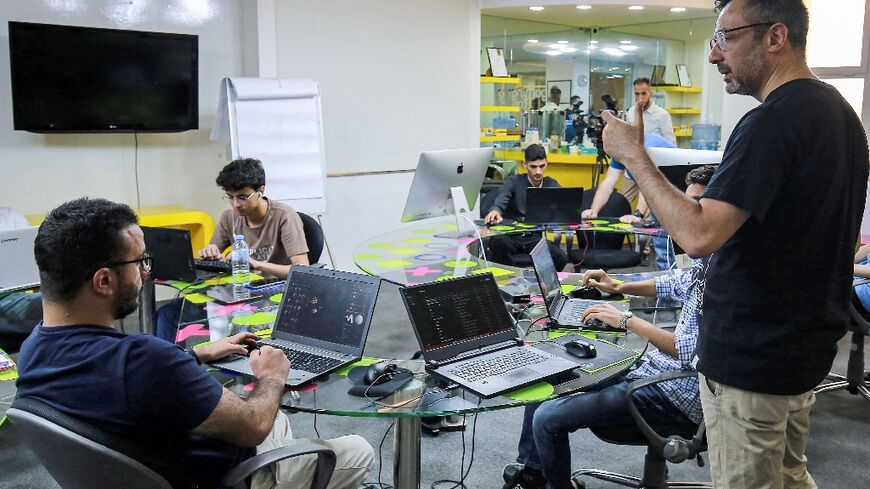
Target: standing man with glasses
x=92, y=260
x=799, y=161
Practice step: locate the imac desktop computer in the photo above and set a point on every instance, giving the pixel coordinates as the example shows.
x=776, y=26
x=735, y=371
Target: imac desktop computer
x=676, y=163
x=448, y=183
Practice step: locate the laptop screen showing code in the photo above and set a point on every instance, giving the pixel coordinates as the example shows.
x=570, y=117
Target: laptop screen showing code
x=332, y=309
x=453, y=312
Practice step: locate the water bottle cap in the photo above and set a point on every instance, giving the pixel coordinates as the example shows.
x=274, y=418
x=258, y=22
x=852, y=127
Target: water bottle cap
x=239, y=237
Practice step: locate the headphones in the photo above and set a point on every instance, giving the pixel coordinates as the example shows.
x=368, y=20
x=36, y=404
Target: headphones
x=380, y=373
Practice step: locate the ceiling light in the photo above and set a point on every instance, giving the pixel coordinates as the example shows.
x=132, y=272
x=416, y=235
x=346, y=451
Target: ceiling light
x=613, y=52
x=588, y=51
x=584, y=7
x=633, y=7
x=562, y=42
x=618, y=76
x=554, y=46
x=629, y=48
x=678, y=9
x=532, y=40
x=553, y=53
x=569, y=50
x=624, y=42
x=536, y=9
x=593, y=42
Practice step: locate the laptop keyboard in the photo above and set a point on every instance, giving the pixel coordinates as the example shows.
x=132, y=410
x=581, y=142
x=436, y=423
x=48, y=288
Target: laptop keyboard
x=219, y=266
x=303, y=360
x=480, y=369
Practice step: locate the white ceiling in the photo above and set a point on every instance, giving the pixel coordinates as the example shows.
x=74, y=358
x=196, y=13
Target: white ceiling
x=598, y=15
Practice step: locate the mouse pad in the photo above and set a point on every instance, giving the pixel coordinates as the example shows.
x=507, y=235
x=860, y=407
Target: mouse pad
x=609, y=355
x=361, y=389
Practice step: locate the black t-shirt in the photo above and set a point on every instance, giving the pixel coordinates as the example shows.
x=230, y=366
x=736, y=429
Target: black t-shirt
x=777, y=292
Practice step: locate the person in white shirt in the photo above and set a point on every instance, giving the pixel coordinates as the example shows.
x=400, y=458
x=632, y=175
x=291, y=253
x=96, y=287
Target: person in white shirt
x=655, y=119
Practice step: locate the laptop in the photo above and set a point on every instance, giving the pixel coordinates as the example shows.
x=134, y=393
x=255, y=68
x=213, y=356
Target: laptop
x=563, y=311
x=18, y=269
x=554, y=205
x=173, y=259
x=322, y=323
x=468, y=338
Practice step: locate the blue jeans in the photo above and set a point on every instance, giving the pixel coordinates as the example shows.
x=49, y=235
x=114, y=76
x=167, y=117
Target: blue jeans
x=544, y=440
x=664, y=250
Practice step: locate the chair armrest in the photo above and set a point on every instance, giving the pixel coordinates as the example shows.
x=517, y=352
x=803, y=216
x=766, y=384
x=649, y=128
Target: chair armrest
x=322, y=473
x=654, y=438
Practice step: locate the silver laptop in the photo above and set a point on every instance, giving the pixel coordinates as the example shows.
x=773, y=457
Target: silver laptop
x=322, y=323
x=18, y=269
x=562, y=310
x=468, y=337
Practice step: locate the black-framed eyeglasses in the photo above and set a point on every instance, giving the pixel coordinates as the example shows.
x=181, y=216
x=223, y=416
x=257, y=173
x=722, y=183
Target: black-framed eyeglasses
x=239, y=198
x=144, y=264
x=719, y=40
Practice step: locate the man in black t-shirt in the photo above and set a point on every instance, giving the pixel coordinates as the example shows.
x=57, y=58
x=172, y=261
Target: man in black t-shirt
x=780, y=219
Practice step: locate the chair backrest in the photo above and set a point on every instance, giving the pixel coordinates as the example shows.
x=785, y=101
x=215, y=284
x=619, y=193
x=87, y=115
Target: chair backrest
x=617, y=206
x=67, y=449
x=313, y=237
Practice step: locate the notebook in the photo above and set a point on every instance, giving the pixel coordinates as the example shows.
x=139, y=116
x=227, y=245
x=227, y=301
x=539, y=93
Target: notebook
x=173, y=259
x=321, y=325
x=467, y=337
x=562, y=310
x=554, y=205
x=18, y=269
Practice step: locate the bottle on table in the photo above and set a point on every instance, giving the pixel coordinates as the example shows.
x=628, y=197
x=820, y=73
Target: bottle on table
x=241, y=267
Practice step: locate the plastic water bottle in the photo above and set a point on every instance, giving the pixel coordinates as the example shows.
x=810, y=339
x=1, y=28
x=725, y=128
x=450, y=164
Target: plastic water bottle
x=241, y=268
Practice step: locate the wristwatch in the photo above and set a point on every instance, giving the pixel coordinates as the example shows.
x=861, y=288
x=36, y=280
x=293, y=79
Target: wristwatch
x=623, y=319
x=637, y=213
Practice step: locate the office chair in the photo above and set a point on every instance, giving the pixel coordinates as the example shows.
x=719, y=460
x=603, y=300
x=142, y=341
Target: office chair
x=605, y=250
x=856, y=380
x=486, y=202
x=80, y=456
x=673, y=443
x=313, y=237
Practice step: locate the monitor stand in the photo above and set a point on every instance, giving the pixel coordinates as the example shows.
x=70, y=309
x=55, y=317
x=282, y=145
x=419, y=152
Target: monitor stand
x=464, y=218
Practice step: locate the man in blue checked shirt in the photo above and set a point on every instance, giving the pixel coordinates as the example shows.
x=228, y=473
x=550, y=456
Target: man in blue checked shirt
x=544, y=459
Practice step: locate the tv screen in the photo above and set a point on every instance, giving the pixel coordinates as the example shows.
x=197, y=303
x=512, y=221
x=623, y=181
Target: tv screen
x=83, y=79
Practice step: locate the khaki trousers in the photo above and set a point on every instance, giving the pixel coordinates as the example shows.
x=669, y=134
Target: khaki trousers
x=756, y=441
x=354, y=457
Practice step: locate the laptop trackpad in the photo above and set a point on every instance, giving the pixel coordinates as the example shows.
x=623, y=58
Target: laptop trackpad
x=520, y=373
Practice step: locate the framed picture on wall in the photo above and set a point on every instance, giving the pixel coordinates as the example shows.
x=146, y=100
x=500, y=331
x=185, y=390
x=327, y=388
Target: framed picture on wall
x=683, y=76
x=564, y=88
x=496, y=61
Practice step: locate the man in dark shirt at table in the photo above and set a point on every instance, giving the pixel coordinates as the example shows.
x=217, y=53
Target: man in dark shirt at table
x=511, y=204
x=780, y=217
x=92, y=259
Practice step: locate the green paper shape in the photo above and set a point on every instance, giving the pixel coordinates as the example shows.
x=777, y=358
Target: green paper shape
x=596, y=222
x=502, y=227
x=367, y=256
x=523, y=225
x=444, y=277
x=255, y=319
x=622, y=225
x=276, y=298
x=568, y=288
x=363, y=362
x=394, y=263
x=424, y=231
x=496, y=272
x=197, y=298
x=416, y=240
x=449, y=227
x=460, y=263
x=535, y=392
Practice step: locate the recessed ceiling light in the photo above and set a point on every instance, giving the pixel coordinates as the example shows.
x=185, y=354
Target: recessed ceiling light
x=593, y=42
x=569, y=50
x=678, y=9
x=553, y=53
x=629, y=48
x=584, y=7
x=588, y=51
x=613, y=52
x=536, y=9
x=636, y=7
x=562, y=42
x=624, y=42
x=553, y=46
x=532, y=40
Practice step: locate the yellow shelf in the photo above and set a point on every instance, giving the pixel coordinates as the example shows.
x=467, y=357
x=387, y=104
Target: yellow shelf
x=676, y=89
x=492, y=139
x=683, y=134
x=498, y=79
x=499, y=108
x=684, y=111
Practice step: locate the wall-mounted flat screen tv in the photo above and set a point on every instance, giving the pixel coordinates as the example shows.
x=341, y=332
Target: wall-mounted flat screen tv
x=84, y=79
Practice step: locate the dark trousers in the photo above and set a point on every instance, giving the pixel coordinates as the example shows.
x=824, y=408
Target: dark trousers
x=501, y=248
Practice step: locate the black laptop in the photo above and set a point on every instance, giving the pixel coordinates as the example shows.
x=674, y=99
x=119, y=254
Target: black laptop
x=562, y=310
x=468, y=337
x=173, y=256
x=554, y=205
x=321, y=325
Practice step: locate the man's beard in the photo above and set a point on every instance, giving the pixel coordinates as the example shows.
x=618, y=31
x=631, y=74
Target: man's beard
x=126, y=302
x=748, y=81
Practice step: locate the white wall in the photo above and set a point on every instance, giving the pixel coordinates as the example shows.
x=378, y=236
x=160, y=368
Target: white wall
x=41, y=171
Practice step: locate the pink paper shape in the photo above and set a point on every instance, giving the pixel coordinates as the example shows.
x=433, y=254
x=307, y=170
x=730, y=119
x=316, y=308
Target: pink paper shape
x=191, y=330
x=422, y=271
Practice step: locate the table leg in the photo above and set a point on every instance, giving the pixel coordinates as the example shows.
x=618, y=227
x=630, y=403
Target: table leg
x=146, y=307
x=406, y=456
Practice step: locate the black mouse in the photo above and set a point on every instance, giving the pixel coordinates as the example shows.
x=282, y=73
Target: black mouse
x=585, y=292
x=581, y=349
x=380, y=373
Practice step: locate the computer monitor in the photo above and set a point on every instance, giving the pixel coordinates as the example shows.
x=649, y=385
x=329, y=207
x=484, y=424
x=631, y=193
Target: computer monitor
x=676, y=163
x=442, y=178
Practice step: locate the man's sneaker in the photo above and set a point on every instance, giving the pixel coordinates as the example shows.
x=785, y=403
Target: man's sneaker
x=516, y=476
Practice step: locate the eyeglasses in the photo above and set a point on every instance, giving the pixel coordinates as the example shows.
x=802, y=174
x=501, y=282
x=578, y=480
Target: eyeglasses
x=144, y=263
x=238, y=198
x=719, y=40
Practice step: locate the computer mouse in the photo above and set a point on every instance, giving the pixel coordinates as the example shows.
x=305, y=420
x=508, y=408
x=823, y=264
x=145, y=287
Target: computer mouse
x=586, y=292
x=581, y=349
x=380, y=373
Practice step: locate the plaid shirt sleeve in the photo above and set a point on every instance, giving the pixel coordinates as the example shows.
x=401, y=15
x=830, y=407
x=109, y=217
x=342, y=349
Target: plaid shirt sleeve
x=686, y=334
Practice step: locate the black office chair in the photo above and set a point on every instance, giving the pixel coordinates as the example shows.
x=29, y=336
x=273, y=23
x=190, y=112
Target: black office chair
x=856, y=380
x=80, y=456
x=604, y=250
x=486, y=202
x=673, y=443
x=313, y=237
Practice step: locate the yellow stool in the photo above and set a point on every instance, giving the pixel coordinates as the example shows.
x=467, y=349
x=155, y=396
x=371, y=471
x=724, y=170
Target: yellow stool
x=200, y=224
